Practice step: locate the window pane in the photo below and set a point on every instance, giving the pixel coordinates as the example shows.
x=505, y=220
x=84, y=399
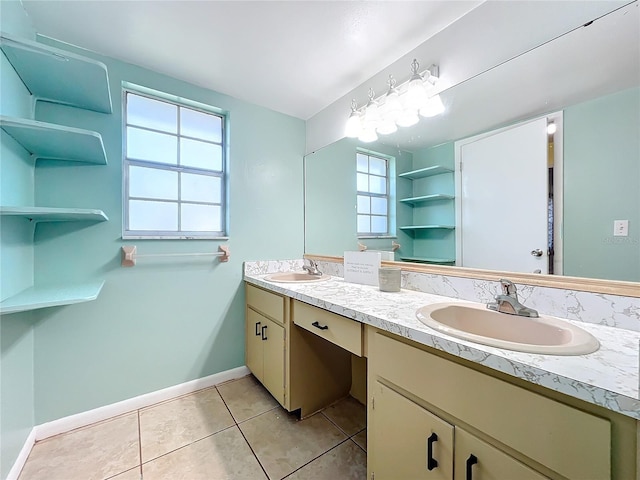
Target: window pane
x=378, y=166
x=153, y=183
x=363, y=182
x=363, y=162
x=151, y=146
x=363, y=224
x=378, y=224
x=379, y=205
x=200, y=125
x=363, y=204
x=153, y=114
x=200, y=154
x=201, y=188
x=155, y=216
x=377, y=185
x=201, y=218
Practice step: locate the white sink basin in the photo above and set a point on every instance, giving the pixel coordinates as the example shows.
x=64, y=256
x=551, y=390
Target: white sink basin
x=296, y=277
x=478, y=324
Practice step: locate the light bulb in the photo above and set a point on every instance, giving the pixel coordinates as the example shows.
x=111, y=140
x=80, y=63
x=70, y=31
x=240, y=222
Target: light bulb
x=354, y=125
x=368, y=135
x=551, y=128
x=433, y=107
x=387, y=127
x=371, y=115
x=408, y=118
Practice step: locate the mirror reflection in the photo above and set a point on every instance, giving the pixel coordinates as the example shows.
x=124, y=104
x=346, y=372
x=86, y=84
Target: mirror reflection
x=587, y=84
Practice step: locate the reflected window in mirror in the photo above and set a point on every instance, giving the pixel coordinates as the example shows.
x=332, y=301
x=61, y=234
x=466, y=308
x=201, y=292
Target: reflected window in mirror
x=373, y=192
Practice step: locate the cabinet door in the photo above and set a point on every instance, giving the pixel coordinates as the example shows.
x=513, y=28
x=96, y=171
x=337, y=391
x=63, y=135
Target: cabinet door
x=477, y=460
x=272, y=336
x=406, y=441
x=254, y=344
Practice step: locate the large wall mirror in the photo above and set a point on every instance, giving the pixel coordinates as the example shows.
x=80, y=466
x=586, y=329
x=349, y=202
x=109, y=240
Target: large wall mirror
x=587, y=82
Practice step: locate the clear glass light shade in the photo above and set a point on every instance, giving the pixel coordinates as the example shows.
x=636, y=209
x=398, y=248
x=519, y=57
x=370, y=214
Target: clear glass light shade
x=408, y=118
x=387, y=127
x=433, y=107
x=392, y=106
x=371, y=115
x=368, y=135
x=416, y=93
x=353, y=126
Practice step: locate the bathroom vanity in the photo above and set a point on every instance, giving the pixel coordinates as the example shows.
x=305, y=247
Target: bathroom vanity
x=441, y=408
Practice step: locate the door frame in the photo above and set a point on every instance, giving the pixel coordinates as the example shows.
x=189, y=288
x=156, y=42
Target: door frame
x=558, y=184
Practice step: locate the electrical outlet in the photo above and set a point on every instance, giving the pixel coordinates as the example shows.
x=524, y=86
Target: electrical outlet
x=620, y=228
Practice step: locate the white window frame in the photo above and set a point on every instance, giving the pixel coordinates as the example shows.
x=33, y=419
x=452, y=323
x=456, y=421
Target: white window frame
x=386, y=196
x=127, y=162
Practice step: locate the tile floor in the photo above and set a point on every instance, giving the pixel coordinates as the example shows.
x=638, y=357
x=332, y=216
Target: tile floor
x=233, y=431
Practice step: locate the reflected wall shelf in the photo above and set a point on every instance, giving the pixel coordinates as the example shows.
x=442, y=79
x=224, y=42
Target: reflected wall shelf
x=428, y=260
x=425, y=172
x=427, y=198
x=56, y=142
x=428, y=227
x=50, y=214
x=42, y=297
x=58, y=76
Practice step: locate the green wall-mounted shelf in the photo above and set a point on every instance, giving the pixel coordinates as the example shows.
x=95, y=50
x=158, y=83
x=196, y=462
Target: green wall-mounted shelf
x=428, y=227
x=51, y=296
x=429, y=260
x=50, y=214
x=426, y=198
x=56, y=142
x=425, y=172
x=57, y=76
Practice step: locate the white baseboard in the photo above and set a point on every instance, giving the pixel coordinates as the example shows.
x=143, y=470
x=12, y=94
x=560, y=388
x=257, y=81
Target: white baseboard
x=22, y=456
x=66, y=424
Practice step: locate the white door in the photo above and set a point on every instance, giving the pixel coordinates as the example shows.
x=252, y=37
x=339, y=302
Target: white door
x=503, y=209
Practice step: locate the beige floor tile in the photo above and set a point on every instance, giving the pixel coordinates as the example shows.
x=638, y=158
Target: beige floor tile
x=282, y=443
x=174, y=424
x=246, y=398
x=348, y=414
x=223, y=456
x=345, y=462
x=361, y=439
x=92, y=453
x=134, y=474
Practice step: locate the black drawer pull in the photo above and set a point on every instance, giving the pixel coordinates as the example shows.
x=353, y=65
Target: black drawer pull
x=257, y=329
x=431, y=462
x=321, y=327
x=264, y=330
x=471, y=461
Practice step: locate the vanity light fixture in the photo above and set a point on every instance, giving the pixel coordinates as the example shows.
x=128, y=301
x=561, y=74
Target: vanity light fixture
x=398, y=107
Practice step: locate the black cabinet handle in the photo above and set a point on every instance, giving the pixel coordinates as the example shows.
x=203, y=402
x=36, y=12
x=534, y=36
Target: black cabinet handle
x=471, y=461
x=431, y=462
x=321, y=327
x=264, y=329
x=257, y=329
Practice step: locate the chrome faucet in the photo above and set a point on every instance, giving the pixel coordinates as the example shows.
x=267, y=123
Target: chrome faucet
x=312, y=268
x=508, y=302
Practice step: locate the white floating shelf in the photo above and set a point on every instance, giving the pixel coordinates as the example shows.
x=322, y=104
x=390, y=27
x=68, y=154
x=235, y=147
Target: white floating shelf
x=56, y=142
x=427, y=198
x=428, y=227
x=50, y=214
x=425, y=172
x=50, y=296
x=428, y=260
x=58, y=76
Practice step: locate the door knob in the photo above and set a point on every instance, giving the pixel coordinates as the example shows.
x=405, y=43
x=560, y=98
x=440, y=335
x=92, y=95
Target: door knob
x=537, y=252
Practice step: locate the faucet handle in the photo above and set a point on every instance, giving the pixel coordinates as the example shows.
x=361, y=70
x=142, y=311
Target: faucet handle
x=508, y=287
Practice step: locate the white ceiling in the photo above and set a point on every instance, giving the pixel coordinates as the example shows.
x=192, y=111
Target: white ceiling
x=295, y=57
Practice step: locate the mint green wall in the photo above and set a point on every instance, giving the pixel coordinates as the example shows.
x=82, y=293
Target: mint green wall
x=330, y=198
x=16, y=188
x=602, y=182
x=434, y=243
x=165, y=321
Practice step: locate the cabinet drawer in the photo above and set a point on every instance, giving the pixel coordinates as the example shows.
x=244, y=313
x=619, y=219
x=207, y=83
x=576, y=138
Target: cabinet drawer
x=265, y=302
x=338, y=330
x=569, y=441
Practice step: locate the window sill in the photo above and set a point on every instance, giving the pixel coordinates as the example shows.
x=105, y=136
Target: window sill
x=372, y=237
x=165, y=237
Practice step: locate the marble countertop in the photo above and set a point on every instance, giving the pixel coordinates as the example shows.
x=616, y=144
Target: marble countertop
x=608, y=377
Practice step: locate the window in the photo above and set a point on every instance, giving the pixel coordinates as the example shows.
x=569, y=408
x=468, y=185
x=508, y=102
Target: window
x=174, y=165
x=373, y=195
